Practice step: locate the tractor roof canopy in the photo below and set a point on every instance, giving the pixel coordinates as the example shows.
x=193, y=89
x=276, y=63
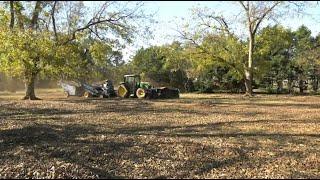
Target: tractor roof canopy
x=132, y=75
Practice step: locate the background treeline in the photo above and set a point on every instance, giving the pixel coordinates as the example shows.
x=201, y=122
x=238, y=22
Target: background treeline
x=43, y=42
x=286, y=62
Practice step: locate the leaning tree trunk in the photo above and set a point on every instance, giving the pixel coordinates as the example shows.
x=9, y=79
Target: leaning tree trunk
x=29, y=85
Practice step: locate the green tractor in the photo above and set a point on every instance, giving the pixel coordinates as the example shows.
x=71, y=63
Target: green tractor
x=130, y=85
x=133, y=87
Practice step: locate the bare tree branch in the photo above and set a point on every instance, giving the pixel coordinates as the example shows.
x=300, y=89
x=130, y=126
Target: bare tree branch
x=244, y=7
x=219, y=19
x=111, y=20
x=264, y=14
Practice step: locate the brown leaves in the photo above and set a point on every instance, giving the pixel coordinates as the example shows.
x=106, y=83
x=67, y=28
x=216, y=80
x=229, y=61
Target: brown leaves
x=196, y=136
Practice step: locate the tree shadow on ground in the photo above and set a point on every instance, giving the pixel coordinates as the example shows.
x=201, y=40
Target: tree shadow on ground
x=145, y=150
x=135, y=151
x=57, y=142
x=215, y=101
x=126, y=108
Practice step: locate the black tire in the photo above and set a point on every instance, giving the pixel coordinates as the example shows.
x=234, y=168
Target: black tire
x=105, y=96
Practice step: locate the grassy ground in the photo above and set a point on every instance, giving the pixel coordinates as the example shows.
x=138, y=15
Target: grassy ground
x=196, y=136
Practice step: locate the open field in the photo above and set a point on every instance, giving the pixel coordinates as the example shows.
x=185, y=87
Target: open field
x=196, y=136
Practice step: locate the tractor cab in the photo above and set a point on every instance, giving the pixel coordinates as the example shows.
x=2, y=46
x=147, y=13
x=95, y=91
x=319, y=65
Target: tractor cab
x=132, y=86
x=132, y=83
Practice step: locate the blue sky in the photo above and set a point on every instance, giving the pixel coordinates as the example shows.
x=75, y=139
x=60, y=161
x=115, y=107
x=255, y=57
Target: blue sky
x=169, y=10
x=169, y=13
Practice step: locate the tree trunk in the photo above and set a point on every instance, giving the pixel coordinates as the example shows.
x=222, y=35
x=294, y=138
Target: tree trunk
x=29, y=85
x=301, y=86
x=54, y=20
x=248, y=70
x=18, y=8
x=279, y=86
x=290, y=89
x=35, y=15
x=12, y=15
x=248, y=83
x=30, y=77
x=315, y=83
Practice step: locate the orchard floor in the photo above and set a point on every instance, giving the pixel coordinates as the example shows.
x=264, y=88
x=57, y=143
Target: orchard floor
x=196, y=136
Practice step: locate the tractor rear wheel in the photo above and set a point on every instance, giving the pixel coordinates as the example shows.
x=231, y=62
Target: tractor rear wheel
x=141, y=93
x=123, y=91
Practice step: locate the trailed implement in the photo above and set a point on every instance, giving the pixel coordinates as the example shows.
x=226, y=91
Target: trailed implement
x=83, y=89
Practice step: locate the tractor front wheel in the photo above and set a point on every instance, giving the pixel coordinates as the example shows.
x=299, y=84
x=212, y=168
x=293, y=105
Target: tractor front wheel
x=141, y=93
